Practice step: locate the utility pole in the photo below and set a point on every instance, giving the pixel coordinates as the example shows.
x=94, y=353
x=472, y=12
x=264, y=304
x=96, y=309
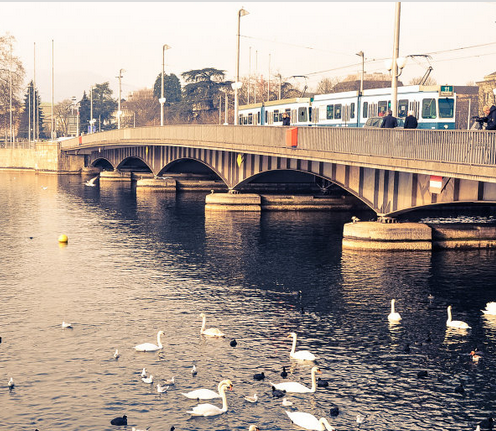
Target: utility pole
x=396, y=48
x=119, y=112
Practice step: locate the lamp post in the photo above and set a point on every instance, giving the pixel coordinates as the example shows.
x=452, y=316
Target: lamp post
x=237, y=84
x=92, y=120
x=396, y=48
x=162, y=98
x=362, y=75
x=119, y=112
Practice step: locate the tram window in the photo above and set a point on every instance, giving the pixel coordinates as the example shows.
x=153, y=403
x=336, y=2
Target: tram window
x=330, y=112
x=365, y=109
x=446, y=108
x=429, y=108
x=250, y=118
x=302, y=115
x=309, y=113
x=337, y=112
x=382, y=108
x=402, y=108
x=266, y=117
x=352, y=110
x=276, y=115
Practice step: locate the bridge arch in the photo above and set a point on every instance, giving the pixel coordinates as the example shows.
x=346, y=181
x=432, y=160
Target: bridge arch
x=191, y=165
x=135, y=164
x=103, y=164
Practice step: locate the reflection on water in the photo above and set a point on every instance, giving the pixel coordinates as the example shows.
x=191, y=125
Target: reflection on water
x=138, y=262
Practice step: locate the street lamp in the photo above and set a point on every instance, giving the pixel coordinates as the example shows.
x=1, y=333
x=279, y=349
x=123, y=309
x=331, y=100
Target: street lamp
x=162, y=98
x=361, y=54
x=92, y=120
x=119, y=112
x=237, y=85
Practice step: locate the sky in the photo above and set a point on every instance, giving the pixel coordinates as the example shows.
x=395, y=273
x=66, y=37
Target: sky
x=93, y=41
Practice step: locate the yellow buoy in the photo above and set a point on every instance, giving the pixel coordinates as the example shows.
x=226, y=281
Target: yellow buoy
x=63, y=238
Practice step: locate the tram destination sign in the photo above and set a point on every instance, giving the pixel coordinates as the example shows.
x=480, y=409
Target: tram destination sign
x=445, y=90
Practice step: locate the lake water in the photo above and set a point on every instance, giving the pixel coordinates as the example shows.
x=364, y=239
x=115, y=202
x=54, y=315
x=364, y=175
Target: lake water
x=139, y=262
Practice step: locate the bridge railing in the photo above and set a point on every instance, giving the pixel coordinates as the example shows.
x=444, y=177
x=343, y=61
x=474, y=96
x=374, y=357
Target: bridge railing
x=469, y=147
x=451, y=146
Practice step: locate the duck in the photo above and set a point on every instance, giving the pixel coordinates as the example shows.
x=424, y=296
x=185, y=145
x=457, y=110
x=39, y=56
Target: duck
x=210, y=332
x=298, y=387
x=276, y=393
x=486, y=423
x=490, y=308
x=194, y=371
x=284, y=373
x=475, y=356
x=66, y=325
x=393, y=316
x=334, y=411
x=422, y=373
x=309, y=421
x=150, y=347
x=252, y=399
x=302, y=355
x=116, y=354
x=210, y=409
x=233, y=343
x=455, y=323
x=322, y=383
x=259, y=376
x=11, y=384
x=460, y=389
x=286, y=402
x=148, y=380
x=119, y=421
x=206, y=394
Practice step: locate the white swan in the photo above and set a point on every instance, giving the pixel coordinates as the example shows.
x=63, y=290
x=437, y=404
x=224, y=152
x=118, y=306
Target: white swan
x=206, y=394
x=455, y=323
x=298, y=387
x=302, y=355
x=309, y=422
x=490, y=308
x=393, y=316
x=210, y=409
x=150, y=347
x=210, y=332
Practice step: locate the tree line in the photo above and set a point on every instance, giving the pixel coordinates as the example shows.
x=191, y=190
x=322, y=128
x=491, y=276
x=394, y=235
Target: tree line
x=206, y=97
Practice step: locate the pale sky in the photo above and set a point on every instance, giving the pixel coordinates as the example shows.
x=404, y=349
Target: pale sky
x=94, y=40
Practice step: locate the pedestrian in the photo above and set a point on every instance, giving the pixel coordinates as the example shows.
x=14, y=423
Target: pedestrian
x=285, y=119
x=490, y=117
x=411, y=121
x=389, y=121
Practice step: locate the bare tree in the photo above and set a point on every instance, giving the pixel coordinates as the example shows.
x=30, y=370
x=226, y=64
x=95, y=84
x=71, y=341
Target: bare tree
x=11, y=83
x=62, y=111
x=143, y=109
x=326, y=85
x=417, y=80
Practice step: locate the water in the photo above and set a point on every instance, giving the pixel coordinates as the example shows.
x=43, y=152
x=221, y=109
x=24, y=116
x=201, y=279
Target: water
x=137, y=263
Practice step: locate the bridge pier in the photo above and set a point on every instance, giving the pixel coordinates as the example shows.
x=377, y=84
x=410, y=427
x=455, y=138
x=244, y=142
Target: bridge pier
x=249, y=202
x=157, y=184
x=115, y=175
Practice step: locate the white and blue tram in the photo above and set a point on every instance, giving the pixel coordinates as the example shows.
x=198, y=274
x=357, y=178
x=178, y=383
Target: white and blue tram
x=434, y=107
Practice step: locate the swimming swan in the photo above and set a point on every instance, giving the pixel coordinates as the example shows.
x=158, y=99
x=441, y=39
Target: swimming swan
x=298, y=387
x=210, y=409
x=210, y=332
x=393, y=316
x=455, y=323
x=490, y=308
x=309, y=422
x=302, y=355
x=206, y=394
x=150, y=347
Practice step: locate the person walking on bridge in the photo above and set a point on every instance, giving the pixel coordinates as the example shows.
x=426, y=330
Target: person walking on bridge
x=389, y=121
x=490, y=117
x=411, y=121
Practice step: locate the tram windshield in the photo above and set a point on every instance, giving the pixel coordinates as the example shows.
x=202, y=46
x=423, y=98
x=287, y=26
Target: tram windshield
x=446, y=108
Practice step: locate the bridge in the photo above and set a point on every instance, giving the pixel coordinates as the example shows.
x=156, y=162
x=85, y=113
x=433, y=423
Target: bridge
x=392, y=171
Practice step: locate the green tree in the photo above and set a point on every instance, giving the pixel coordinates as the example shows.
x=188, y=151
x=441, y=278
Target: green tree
x=172, y=88
x=27, y=124
x=201, y=94
x=104, y=107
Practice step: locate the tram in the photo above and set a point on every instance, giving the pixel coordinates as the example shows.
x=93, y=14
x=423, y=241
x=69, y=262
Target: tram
x=434, y=106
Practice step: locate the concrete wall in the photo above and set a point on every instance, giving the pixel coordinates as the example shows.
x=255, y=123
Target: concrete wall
x=46, y=157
